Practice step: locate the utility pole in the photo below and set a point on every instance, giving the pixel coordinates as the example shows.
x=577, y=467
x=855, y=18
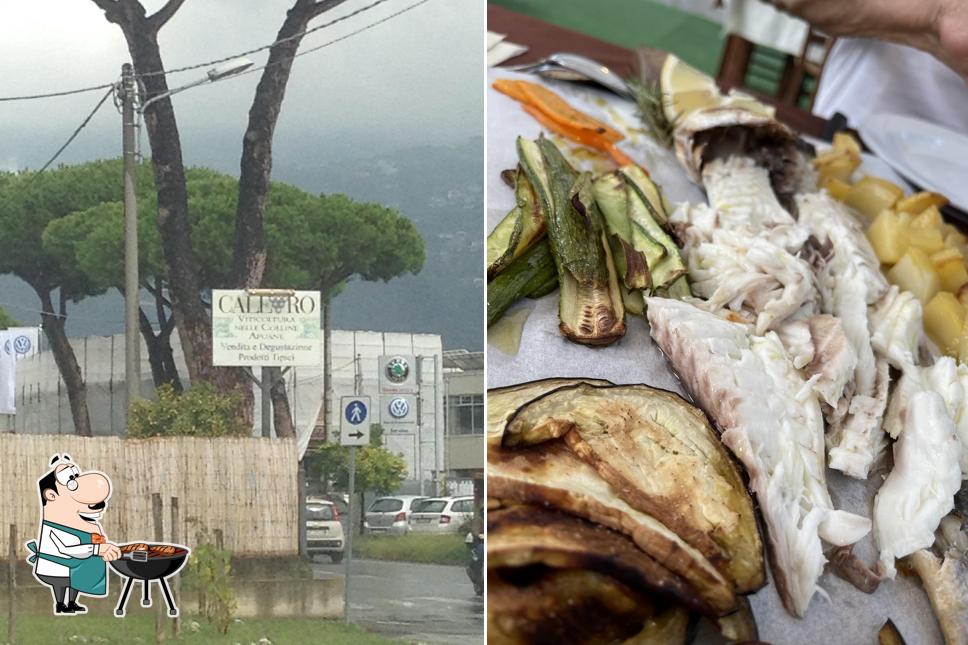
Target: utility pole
x=351, y=524
x=132, y=342
x=327, y=365
x=419, y=366
x=437, y=460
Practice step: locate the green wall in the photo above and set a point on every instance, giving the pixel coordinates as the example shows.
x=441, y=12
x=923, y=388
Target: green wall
x=632, y=23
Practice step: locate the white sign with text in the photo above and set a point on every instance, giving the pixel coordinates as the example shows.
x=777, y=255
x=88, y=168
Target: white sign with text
x=265, y=328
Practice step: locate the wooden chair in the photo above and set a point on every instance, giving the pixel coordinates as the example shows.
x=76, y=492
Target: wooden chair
x=790, y=79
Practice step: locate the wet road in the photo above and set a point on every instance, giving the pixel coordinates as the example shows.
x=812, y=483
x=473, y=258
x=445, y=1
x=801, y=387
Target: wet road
x=424, y=603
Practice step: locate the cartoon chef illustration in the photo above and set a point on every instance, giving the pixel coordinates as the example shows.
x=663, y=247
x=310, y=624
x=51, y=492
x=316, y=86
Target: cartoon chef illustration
x=70, y=555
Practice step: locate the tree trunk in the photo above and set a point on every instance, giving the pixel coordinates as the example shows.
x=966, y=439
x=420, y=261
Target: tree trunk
x=53, y=323
x=160, y=356
x=281, y=414
x=141, y=33
x=256, y=164
x=249, y=259
x=151, y=342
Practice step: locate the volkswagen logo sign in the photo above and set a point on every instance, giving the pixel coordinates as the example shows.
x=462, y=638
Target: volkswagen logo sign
x=399, y=408
x=397, y=370
x=21, y=345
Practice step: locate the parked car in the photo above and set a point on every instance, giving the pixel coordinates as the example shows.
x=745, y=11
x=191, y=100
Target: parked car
x=324, y=532
x=340, y=500
x=390, y=515
x=442, y=514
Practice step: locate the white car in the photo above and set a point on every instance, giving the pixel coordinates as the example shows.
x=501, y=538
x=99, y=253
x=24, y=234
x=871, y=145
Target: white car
x=324, y=532
x=389, y=515
x=441, y=514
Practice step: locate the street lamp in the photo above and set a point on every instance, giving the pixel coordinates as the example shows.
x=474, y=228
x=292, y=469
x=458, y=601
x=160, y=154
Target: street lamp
x=130, y=117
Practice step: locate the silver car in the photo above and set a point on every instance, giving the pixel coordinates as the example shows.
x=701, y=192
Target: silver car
x=324, y=532
x=389, y=515
x=442, y=514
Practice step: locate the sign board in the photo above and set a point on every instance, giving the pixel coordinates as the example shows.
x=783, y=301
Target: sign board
x=398, y=374
x=266, y=328
x=354, y=421
x=16, y=343
x=8, y=377
x=20, y=342
x=398, y=413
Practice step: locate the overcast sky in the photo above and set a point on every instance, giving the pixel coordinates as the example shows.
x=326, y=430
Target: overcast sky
x=415, y=79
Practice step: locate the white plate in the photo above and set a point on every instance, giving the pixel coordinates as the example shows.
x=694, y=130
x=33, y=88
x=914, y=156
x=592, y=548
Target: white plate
x=931, y=156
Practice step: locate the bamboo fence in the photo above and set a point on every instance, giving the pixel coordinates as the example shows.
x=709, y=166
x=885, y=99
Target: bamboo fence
x=244, y=487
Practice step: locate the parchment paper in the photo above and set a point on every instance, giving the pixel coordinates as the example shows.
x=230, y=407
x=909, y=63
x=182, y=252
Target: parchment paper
x=849, y=617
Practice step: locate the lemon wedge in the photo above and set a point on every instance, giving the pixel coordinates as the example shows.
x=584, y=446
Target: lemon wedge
x=685, y=89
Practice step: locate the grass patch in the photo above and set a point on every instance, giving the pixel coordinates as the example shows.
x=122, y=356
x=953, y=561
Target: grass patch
x=413, y=547
x=93, y=629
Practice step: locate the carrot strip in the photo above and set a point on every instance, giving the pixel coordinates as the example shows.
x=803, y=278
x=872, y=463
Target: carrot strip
x=583, y=137
x=510, y=88
x=620, y=157
x=558, y=109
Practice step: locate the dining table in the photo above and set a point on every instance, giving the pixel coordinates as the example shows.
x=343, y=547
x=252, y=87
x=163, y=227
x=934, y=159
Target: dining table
x=644, y=62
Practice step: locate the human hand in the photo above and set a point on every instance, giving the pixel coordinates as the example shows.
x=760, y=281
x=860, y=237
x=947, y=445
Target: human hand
x=109, y=551
x=939, y=27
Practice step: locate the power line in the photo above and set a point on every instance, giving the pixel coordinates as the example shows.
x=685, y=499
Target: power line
x=249, y=52
x=31, y=97
x=329, y=42
x=77, y=130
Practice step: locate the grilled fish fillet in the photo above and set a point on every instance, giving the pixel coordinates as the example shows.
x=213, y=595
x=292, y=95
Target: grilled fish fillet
x=897, y=328
x=920, y=489
x=738, y=270
x=742, y=199
x=849, y=279
x=771, y=420
x=948, y=378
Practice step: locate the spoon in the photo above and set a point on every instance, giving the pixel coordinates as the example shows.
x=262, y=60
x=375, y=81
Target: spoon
x=574, y=67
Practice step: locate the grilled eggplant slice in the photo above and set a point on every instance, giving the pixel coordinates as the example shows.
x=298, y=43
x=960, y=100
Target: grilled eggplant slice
x=739, y=626
x=551, y=475
x=523, y=535
x=561, y=606
x=518, y=231
x=502, y=402
x=590, y=303
x=671, y=627
x=662, y=457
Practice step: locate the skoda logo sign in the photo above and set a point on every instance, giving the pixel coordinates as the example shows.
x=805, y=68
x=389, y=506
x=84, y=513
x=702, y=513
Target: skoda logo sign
x=399, y=408
x=397, y=370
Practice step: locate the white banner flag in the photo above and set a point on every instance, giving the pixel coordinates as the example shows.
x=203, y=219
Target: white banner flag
x=8, y=372
x=21, y=342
